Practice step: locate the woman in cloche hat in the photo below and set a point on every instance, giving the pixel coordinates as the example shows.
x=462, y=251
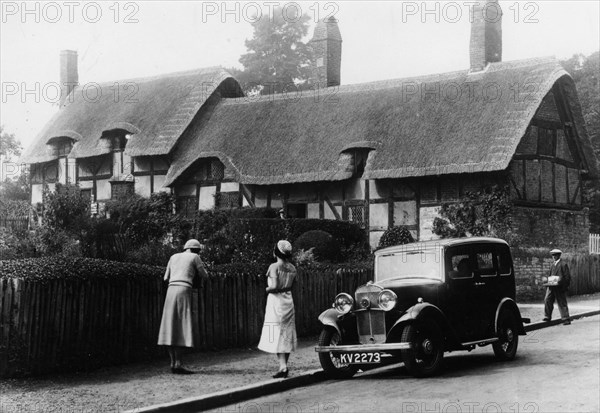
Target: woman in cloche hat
x=177, y=329
x=279, y=329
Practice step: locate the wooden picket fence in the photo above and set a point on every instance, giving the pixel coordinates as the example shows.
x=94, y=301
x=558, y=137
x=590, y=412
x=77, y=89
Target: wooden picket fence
x=14, y=223
x=585, y=273
x=62, y=325
x=594, y=243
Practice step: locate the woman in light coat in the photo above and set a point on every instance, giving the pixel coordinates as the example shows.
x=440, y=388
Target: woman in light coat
x=177, y=329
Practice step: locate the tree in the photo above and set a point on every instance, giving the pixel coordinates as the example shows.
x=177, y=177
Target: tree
x=9, y=145
x=14, y=187
x=277, y=59
x=585, y=72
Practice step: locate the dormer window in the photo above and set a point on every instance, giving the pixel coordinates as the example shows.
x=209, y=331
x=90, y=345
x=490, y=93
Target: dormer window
x=118, y=142
x=359, y=161
x=60, y=147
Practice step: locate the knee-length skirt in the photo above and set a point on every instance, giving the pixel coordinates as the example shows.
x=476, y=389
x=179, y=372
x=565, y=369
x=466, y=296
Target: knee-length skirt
x=177, y=326
x=279, y=329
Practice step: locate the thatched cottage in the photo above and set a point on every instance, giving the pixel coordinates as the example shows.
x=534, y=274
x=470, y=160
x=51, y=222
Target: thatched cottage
x=381, y=154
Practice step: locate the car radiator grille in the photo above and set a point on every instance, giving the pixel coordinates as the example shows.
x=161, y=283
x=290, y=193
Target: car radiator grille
x=370, y=319
x=371, y=326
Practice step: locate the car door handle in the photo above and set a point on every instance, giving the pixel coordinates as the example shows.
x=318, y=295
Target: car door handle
x=479, y=284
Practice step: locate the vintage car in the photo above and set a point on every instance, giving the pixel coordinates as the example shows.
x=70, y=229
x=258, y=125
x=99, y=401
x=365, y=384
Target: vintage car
x=426, y=298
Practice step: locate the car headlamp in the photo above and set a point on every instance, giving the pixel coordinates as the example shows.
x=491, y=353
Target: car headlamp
x=343, y=303
x=387, y=300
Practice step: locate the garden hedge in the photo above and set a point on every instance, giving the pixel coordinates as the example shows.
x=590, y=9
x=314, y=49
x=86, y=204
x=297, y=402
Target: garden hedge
x=254, y=238
x=62, y=267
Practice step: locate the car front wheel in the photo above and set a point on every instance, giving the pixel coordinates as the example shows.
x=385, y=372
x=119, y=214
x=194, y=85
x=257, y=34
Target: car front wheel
x=331, y=362
x=424, y=358
x=506, y=348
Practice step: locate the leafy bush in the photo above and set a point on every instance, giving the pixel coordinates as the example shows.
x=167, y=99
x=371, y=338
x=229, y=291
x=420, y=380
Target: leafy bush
x=218, y=250
x=54, y=241
x=207, y=223
x=254, y=238
x=65, y=209
x=324, y=246
x=152, y=252
x=395, y=236
x=482, y=213
x=61, y=267
x=142, y=219
x=304, y=257
x=15, y=245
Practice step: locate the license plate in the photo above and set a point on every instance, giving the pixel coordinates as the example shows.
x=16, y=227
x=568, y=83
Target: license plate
x=360, y=358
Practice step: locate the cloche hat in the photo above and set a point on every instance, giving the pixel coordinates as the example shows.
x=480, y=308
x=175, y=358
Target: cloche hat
x=283, y=249
x=192, y=244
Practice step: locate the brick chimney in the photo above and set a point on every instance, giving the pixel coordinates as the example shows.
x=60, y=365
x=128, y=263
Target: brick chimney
x=69, y=75
x=486, y=34
x=326, y=44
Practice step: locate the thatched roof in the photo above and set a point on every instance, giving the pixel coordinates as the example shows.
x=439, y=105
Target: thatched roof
x=431, y=125
x=155, y=110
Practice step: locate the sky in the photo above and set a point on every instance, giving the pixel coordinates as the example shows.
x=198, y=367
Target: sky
x=132, y=39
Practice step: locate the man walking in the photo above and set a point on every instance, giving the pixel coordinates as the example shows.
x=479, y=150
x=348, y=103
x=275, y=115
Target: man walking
x=558, y=283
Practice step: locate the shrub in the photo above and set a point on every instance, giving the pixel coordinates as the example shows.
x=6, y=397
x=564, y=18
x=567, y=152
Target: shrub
x=304, y=258
x=153, y=252
x=218, y=250
x=17, y=245
x=65, y=209
x=324, y=246
x=55, y=241
x=482, y=213
x=207, y=223
x=395, y=236
x=143, y=219
x=254, y=238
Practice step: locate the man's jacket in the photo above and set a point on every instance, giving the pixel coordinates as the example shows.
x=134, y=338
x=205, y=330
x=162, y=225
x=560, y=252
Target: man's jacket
x=561, y=269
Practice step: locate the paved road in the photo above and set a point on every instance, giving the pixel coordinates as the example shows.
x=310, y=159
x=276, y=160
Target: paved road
x=557, y=370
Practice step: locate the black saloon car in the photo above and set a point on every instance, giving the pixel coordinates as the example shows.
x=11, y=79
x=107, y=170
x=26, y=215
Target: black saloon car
x=427, y=298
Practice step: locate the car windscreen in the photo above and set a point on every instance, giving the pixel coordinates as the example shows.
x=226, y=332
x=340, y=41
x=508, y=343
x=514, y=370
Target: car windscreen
x=409, y=264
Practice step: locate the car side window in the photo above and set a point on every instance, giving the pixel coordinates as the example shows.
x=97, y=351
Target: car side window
x=460, y=266
x=504, y=261
x=485, y=264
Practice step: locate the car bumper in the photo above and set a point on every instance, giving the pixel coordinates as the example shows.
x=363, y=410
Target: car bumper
x=363, y=347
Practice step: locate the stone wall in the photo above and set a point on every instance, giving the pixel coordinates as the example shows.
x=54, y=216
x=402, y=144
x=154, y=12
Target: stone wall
x=529, y=273
x=564, y=229
x=531, y=270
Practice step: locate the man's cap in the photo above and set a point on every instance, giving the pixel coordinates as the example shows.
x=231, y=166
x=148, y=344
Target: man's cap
x=555, y=251
x=192, y=243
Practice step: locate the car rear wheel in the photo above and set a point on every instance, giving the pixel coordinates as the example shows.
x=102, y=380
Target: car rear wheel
x=331, y=362
x=425, y=357
x=506, y=348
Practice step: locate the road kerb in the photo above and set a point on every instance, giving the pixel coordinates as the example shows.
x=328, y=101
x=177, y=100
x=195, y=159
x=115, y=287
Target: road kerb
x=240, y=394
x=544, y=324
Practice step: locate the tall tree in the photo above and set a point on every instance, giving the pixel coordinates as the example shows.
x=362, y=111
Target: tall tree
x=277, y=59
x=586, y=74
x=9, y=145
x=13, y=187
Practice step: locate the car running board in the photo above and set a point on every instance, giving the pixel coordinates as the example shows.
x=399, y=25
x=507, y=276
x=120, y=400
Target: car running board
x=480, y=342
